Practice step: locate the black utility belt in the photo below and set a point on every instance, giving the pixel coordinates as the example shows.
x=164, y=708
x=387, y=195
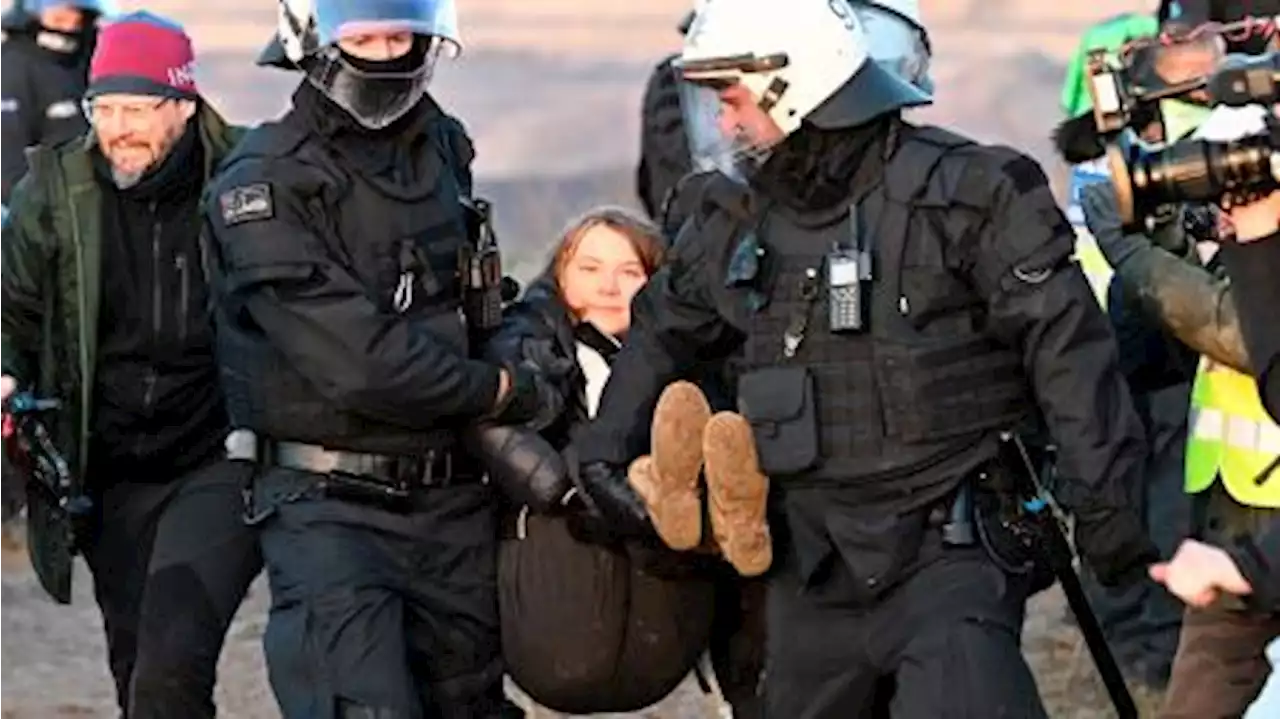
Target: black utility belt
x=373, y=476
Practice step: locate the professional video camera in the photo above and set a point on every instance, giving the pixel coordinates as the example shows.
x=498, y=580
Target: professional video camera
x=1126, y=87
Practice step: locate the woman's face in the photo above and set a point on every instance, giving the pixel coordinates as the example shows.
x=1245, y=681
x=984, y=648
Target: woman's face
x=601, y=277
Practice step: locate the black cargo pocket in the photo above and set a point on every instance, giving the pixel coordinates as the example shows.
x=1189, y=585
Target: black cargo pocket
x=949, y=388
x=779, y=404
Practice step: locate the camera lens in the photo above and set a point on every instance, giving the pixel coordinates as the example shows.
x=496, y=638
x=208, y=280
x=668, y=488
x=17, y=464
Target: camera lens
x=1183, y=170
x=1193, y=171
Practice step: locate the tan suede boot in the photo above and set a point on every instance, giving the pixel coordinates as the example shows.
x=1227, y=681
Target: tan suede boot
x=669, y=481
x=737, y=494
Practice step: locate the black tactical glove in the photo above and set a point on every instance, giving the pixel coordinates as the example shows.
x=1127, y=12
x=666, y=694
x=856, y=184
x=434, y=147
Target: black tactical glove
x=527, y=398
x=543, y=355
x=611, y=509
x=523, y=465
x=1170, y=232
x=1116, y=546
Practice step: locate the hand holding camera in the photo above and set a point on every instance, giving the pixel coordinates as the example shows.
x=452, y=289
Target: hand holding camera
x=1234, y=166
x=1256, y=220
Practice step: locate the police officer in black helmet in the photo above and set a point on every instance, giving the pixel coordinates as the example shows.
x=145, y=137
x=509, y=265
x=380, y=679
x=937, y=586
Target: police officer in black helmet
x=901, y=296
x=47, y=45
x=336, y=234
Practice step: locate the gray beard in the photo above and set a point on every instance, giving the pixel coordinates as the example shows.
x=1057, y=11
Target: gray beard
x=125, y=180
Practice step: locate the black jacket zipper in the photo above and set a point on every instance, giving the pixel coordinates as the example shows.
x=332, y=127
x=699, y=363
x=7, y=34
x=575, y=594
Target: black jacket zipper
x=184, y=295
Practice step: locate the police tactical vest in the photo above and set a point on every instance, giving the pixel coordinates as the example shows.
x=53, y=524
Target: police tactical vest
x=922, y=381
x=403, y=246
x=1231, y=436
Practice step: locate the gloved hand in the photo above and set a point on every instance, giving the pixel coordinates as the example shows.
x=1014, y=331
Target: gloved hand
x=1102, y=216
x=529, y=399
x=543, y=355
x=1116, y=546
x=523, y=465
x=1200, y=223
x=1170, y=231
x=611, y=508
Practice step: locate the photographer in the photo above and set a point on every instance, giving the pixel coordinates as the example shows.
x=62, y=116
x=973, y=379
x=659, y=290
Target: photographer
x=1198, y=573
x=1220, y=665
x=1140, y=621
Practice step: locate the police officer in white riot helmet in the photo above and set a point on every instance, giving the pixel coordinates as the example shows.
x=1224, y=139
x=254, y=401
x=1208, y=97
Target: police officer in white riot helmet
x=901, y=297
x=668, y=182
x=340, y=234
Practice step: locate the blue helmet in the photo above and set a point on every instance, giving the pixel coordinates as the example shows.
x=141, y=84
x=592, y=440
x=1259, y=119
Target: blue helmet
x=308, y=35
x=24, y=17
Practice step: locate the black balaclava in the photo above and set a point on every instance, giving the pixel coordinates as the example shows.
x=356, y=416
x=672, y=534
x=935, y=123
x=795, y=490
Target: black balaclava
x=813, y=169
x=375, y=94
x=65, y=48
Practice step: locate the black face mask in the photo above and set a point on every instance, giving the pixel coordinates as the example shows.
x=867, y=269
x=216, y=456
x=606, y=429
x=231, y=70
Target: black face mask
x=374, y=93
x=813, y=169
x=68, y=47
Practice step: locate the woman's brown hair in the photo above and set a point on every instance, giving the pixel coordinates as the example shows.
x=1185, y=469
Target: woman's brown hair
x=643, y=235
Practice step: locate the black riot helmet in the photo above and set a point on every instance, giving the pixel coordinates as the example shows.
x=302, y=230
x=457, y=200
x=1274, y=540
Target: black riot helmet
x=375, y=93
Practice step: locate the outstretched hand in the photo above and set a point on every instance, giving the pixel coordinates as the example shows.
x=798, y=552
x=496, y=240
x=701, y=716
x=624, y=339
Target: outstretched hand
x=1199, y=573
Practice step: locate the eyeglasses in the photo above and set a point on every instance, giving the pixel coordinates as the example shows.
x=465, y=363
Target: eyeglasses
x=134, y=114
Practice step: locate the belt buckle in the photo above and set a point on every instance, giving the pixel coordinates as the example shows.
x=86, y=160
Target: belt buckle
x=438, y=467
x=425, y=470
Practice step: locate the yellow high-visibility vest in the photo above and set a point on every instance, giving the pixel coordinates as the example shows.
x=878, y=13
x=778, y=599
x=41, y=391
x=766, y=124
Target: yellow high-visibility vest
x=1230, y=435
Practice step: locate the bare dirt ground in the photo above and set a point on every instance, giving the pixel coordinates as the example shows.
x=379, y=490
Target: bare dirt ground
x=54, y=659
x=550, y=91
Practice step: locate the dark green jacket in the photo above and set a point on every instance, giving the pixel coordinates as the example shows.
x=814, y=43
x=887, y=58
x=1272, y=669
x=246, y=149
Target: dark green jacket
x=1194, y=304
x=52, y=264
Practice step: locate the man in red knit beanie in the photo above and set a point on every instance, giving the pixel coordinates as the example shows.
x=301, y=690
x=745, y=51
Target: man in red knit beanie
x=145, y=426
x=142, y=62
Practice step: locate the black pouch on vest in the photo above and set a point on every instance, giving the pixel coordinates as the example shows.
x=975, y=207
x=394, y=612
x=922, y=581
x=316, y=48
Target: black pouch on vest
x=778, y=402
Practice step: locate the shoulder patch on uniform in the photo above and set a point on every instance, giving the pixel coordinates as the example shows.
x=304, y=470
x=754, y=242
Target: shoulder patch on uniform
x=247, y=203
x=62, y=110
x=1025, y=173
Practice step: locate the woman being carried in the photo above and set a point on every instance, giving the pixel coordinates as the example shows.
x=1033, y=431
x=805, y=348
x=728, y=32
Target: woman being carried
x=590, y=623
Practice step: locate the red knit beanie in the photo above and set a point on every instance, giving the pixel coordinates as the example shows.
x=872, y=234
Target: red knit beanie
x=143, y=54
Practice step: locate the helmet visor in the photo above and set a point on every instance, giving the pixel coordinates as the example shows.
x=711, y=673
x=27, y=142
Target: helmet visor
x=728, y=125
x=374, y=99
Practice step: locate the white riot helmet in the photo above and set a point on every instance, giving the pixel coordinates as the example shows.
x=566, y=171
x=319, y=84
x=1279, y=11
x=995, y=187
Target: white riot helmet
x=307, y=37
x=751, y=75
x=898, y=38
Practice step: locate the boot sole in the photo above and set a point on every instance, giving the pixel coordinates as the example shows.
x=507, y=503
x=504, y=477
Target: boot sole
x=675, y=506
x=738, y=494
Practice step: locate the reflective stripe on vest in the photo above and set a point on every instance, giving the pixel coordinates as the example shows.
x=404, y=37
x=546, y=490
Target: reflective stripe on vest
x=1230, y=435
x=1094, y=265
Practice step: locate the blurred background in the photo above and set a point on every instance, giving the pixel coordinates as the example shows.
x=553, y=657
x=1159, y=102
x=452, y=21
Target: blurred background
x=550, y=91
